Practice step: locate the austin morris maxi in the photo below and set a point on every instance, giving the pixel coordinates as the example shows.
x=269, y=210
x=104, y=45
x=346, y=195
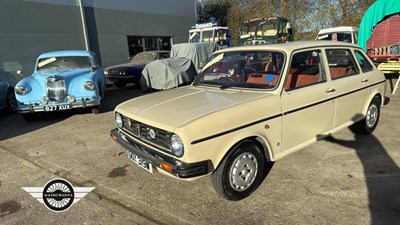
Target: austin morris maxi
x=251, y=106
x=62, y=80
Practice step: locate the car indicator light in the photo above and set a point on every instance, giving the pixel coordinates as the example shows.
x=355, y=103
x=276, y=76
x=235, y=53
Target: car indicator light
x=166, y=166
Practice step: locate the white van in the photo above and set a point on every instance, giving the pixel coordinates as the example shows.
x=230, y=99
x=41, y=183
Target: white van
x=343, y=33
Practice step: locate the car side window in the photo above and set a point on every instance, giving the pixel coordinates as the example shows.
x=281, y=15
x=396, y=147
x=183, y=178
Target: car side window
x=341, y=63
x=305, y=69
x=365, y=65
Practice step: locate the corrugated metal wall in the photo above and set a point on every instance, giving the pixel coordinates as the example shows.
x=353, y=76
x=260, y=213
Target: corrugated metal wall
x=31, y=27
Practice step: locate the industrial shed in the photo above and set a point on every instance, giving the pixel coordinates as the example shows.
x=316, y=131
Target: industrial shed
x=114, y=30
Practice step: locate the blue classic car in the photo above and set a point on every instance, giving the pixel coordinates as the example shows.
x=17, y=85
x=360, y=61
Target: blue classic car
x=62, y=80
x=131, y=72
x=7, y=97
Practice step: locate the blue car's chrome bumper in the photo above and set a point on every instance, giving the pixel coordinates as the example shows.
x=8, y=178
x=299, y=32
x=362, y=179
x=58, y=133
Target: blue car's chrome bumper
x=36, y=107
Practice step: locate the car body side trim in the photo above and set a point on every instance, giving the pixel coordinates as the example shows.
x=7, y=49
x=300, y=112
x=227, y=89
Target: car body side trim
x=279, y=115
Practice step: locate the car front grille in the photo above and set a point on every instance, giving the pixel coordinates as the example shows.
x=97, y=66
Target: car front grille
x=55, y=86
x=114, y=73
x=151, y=135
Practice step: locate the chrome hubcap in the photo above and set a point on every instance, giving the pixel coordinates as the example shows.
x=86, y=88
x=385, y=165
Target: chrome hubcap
x=372, y=115
x=243, y=171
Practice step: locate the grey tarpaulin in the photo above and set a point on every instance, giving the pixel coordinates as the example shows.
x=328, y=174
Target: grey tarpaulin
x=167, y=73
x=186, y=59
x=199, y=53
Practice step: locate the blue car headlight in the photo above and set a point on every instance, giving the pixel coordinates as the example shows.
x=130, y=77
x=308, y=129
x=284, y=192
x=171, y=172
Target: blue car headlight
x=21, y=90
x=177, y=145
x=89, y=85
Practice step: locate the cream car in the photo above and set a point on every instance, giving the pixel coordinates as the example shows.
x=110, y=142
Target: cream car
x=248, y=107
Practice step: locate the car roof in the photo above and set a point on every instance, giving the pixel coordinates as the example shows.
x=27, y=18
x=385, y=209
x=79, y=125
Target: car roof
x=208, y=28
x=289, y=47
x=338, y=29
x=67, y=53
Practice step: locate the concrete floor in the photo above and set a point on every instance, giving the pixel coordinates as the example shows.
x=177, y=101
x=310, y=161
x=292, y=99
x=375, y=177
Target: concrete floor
x=346, y=179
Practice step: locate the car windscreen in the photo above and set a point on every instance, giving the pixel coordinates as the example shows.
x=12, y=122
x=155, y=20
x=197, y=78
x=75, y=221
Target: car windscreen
x=248, y=29
x=243, y=69
x=267, y=28
x=64, y=62
x=343, y=36
x=144, y=58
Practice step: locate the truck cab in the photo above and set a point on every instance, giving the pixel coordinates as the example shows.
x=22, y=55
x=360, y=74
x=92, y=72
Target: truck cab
x=265, y=30
x=210, y=32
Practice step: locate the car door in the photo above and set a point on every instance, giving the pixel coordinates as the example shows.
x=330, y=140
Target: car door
x=308, y=102
x=350, y=83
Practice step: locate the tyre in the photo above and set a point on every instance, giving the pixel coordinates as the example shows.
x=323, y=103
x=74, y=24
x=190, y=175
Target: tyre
x=137, y=84
x=11, y=101
x=369, y=123
x=96, y=109
x=29, y=117
x=240, y=172
x=119, y=84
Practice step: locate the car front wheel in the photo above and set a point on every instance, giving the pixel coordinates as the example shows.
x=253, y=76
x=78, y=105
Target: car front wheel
x=29, y=117
x=96, y=109
x=241, y=172
x=119, y=84
x=11, y=102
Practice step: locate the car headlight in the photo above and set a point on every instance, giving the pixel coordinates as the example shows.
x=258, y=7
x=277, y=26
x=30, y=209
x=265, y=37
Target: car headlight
x=105, y=72
x=176, y=145
x=89, y=85
x=118, y=120
x=20, y=90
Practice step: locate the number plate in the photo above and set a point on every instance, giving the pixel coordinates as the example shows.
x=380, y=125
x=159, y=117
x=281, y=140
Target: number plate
x=49, y=108
x=140, y=162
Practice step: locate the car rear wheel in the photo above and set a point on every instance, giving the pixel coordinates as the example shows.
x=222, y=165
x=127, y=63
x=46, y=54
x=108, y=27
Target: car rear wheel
x=369, y=123
x=241, y=172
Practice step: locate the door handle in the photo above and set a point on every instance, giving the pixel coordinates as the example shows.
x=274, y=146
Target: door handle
x=329, y=90
x=365, y=80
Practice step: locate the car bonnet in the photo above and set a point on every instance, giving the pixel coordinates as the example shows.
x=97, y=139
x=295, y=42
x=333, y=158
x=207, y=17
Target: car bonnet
x=177, y=107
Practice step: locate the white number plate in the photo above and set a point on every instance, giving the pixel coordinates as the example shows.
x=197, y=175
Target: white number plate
x=49, y=108
x=140, y=162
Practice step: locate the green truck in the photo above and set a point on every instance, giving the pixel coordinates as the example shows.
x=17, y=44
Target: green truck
x=265, y=30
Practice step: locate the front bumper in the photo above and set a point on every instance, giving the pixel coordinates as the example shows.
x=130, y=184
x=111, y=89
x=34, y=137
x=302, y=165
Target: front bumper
x=179, y=169
x=123, y=79
x=32, y=108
